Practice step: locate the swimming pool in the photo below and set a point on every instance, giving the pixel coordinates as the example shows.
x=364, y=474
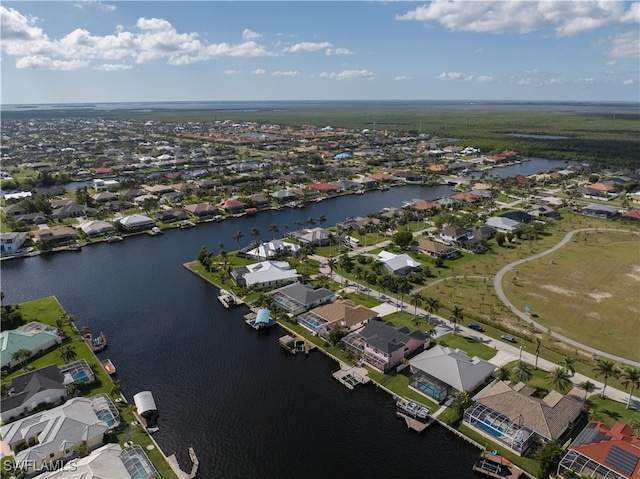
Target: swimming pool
x=493, y=430
x=106, y=416
x=431, y=390
x=80, y=377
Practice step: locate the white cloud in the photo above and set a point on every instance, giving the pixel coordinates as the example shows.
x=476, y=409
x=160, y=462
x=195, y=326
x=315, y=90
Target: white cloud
x=450, y=76
x=156, y=39
x=629, y=81
x=94, y=3
x=113, y=67
x=348, y=74
x=232, y=72
x=291, y=73
x=402, y=77
x=250, y=34
x=338, y=51
x=308, y=47
x=259, y=71
x=524, y=16
x=626, y=45
x=584, y=81
x=611, y=62
x=484, y=79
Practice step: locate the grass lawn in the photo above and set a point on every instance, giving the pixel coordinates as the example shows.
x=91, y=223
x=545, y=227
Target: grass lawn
x=47, y=311
x=587, y=291
x=610, y=412
x=471, y=347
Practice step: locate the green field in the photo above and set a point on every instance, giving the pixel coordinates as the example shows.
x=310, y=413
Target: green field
x=587, y=290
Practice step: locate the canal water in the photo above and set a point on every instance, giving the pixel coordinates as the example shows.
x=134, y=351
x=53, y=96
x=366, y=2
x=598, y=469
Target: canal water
x=247, y=407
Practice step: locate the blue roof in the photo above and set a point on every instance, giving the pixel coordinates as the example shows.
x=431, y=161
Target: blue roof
x=263, y=316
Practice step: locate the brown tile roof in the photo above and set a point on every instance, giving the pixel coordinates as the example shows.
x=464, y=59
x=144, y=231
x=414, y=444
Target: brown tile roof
x=549, y=417
x=351, y=313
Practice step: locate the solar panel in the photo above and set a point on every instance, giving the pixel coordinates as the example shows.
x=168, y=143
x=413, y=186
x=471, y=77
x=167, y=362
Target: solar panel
x=590, y=435
x=622, y=460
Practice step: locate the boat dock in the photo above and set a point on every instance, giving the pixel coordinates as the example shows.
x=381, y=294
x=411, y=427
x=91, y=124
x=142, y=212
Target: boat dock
x=228, y=299
x=96, y=344
x=296, y=344
x=495, y=466
x=108, y=366
x=413, y=423
x=415, y=415
x=173, y=462
x=352, y=376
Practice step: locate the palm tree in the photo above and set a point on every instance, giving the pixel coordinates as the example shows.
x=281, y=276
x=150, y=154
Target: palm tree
x=116, y=389
x=415, y=300
x=285, y=228
x=456, y=317
x=503, y=373
x=559, y=379
x=255, y=232
x=67, y=353
x=630, y=376
x=322, y=219
x=331, y=262
x=404, y=287
x=521, y=371
x=220, y=247
x=238, y=236
x=310, y=221
x=538, y=343
x=588, y=387
x=568, y=365
x=21, y=355
x=608, y=370
x=273, y=229
x=298, y=223
x=432, y=305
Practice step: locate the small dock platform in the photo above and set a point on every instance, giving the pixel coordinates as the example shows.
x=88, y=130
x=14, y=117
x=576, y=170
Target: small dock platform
x=296, y=344
x=260, y=319
x=95, y=343
x=108, y=366
x=228, y=299
x=173, y=462
x=414, y=424
x=492, y=465
x=352, y=376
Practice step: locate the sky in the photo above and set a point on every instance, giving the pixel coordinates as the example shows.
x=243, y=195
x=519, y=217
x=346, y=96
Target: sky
x=128, y=51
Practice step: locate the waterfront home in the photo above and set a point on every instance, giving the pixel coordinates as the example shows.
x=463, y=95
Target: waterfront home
x=601, y=451
x=272, y=248
x=600, y=211
x=96, y=228
x=265, y=274
x=313, y=236
x=382, y=346
x=109, y=462
x=136, y=222
x=52, y=435
x=34, y=336
x=504, y=225
x=10, y=243
x=398, y=264
x=30, y=390
x=325, y=188
x=465, y=196
x=202, y=210
x=55, y=236
x=259, y=201
x=452, y=235
x=408, y=176
x=283, y=196
x=441, y=372
x=512, y=415
x=436, y=250
x=73, y=210
x=297, y=298
x=232, y=206
x=339, y=314
x=110, y=185
x=170, y=215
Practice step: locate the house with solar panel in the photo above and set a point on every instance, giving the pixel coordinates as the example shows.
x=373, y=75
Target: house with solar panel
x=603, y=452
x=513, y=416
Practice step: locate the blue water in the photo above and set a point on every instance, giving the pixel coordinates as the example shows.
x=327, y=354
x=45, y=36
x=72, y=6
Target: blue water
x=106, y=416
x=81, y=377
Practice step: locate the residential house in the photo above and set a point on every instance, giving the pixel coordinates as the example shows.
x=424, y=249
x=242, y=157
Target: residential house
x=465, y=196
x=313, y=236
x=265, y=274
x=436, y=250
x=30, y=390
x=55, y=236
x=519, y=216
x=136, y=222
x=283, y=196
x=399, y=264
x=325, y=188
x=96, y=228
x=348, y=185
x=73, y=210
x=10, y=243
x=297, y=297
x=632, y=215
x=202, y=210
x=512, y=415
x=543, y=211
x=108, y=462
x=159, y=189
x=52, y=435
x=603, y=452
x=453, y=236
x=170, y=215
x=104, y=197
x=37, y=218
x=382, y=346
x=14, y=210
x=232, y=206
x=260, y=201
x=440, y=372
x=482, y=232
x=34, y=336
x=600, y=211
x=339, y=314
x=504, y=225
x=110, y=185
x=408, y=176
x=602, y=190
x=270, y=249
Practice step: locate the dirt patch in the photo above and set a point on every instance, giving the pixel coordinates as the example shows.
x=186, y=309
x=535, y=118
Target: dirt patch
x=558, y=290
x=593, y=314
x=636, y=273
x=599, y=296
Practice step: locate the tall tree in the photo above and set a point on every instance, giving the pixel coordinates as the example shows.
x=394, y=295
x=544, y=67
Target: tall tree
x=255, y=232
x=416, y=301
x=568, y=365
x=538, y=344
x=503, y=373
x=457, y=316
x=22, y=355
x=273, y=229
x=322, y=219
x=630, y=377
x=559, y=379
x=588, y=387
x=67, y=353
x=521, y=371
x=607, y=369
x=404, y=287
x=310, y=221
x=238, y=236
x=432, y=305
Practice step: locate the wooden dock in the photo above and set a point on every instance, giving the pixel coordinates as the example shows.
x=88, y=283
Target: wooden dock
x=352, y=376
x=414, y=424
x=173, y=462
x=108, y=366
x=496, y=467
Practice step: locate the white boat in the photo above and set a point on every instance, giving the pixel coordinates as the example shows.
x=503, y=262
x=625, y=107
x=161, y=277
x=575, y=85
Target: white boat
x=155, y=231
x=413, y=409
x=228, y=299
x=187, y=224
x=113, y=239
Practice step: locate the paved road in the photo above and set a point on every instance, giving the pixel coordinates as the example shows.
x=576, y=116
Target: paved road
x=497, y=283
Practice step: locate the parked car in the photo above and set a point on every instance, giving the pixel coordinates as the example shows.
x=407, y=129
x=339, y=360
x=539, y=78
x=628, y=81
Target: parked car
x=475, y=327
x=506, y=337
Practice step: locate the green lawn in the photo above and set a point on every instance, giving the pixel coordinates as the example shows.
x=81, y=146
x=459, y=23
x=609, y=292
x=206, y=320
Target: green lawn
x=471, y=347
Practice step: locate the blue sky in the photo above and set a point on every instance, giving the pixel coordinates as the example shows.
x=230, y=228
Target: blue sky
x=90, y=51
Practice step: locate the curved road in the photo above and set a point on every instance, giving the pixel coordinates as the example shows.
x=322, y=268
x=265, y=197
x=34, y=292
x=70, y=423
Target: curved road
x=497, y=283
